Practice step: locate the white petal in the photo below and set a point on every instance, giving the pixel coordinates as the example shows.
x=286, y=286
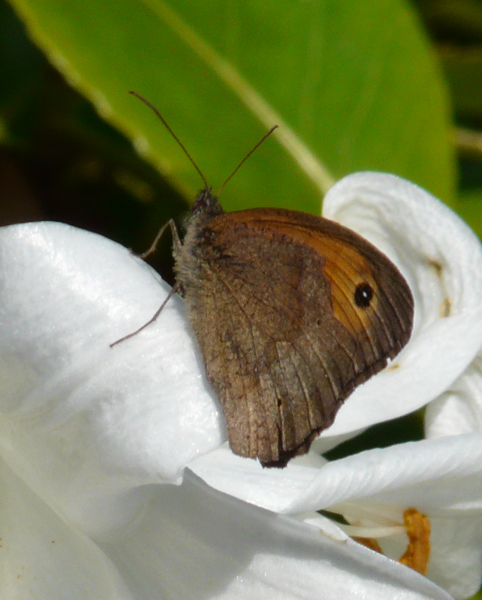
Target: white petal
x=42, y=557
x=196, y=543
x=81, y=415
x=459, y=409
x=246, y=479
x=441, y=259
x=456, y=556
x=437, y=474
x=441, y=478
x=430, y=474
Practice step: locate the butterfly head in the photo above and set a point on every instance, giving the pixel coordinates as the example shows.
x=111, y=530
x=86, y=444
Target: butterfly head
x=206, y=205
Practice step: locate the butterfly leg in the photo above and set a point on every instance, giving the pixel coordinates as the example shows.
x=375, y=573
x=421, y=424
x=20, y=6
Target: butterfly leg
x=175, y=288
x=158, y=312
x=175, y=239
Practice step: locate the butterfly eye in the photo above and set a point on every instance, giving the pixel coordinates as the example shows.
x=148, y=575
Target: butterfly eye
x=363, y=295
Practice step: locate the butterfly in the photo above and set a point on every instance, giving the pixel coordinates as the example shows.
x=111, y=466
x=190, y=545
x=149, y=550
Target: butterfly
x=291, y=312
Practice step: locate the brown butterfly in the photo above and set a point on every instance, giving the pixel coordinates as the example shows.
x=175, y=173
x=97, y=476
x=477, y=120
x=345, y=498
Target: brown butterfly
x=292, y=312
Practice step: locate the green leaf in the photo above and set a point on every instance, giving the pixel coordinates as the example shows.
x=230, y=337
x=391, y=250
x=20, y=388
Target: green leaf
x=352, y=86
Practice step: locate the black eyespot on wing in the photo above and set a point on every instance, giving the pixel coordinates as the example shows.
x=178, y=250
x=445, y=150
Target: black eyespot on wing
x=363, y=295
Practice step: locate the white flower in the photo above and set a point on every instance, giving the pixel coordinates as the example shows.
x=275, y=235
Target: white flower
x=94, y=440
x=442, y=478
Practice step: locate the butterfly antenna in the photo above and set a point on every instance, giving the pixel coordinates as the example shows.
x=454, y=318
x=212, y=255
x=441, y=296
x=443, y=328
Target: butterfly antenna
x=168, y=127
x=267, y=134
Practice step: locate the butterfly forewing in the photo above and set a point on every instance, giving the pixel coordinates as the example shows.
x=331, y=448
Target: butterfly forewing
x=291, y=312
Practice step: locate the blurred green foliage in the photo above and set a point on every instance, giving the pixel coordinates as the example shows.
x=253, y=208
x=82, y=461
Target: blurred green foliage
x=353, y=86
x=455, y=29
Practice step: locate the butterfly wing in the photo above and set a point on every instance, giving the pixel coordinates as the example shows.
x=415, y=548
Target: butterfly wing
x=291, y=312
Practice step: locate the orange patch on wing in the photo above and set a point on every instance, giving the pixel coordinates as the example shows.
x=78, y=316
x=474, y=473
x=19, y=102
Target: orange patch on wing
x=346, y=269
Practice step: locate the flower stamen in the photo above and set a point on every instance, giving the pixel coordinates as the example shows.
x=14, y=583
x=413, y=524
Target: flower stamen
x=417, y=554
